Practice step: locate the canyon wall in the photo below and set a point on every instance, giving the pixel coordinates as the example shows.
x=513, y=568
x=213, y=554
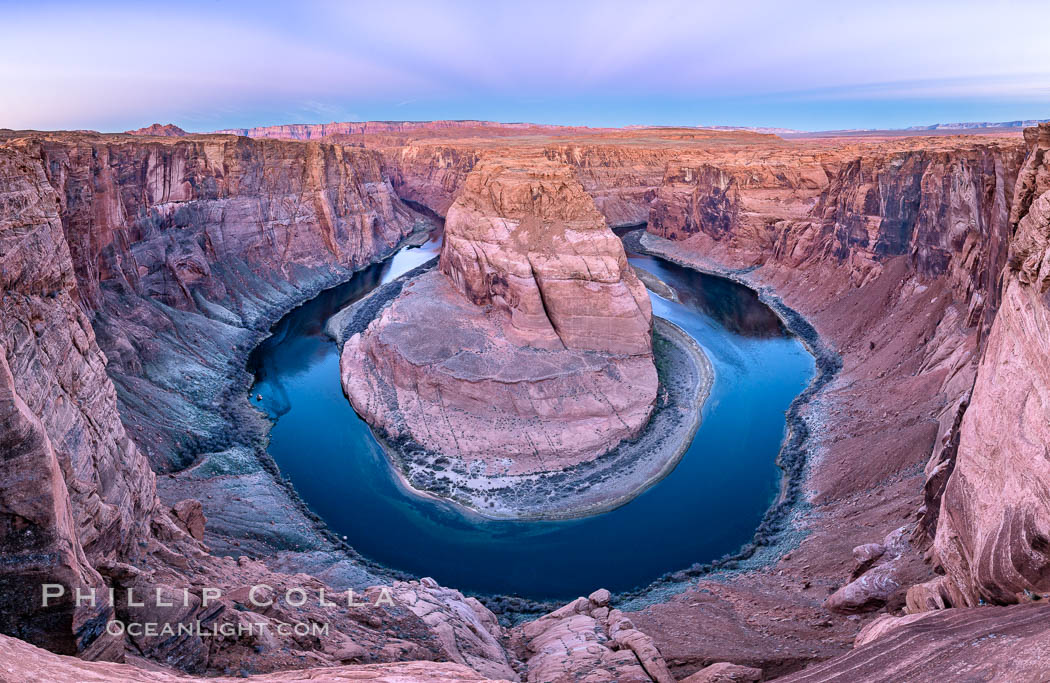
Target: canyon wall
x=73, y=484
x=133, y=273
x=856, y=237
x=621, y=171
x=185, y=248
x=945, y=210
x=993, y=533
x=894, y=260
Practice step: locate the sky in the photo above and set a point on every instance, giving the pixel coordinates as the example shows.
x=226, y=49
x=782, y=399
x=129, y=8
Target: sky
x=113, y=66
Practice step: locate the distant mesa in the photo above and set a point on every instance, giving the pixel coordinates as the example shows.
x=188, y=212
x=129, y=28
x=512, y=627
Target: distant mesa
x=168, y=130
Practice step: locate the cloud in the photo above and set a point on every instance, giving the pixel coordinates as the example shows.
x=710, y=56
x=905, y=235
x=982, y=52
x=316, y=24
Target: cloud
x=118, y=64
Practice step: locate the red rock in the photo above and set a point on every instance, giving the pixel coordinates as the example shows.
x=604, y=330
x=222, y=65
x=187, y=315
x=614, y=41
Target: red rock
x=584, y=640
x=994, y=643
x=876, y=578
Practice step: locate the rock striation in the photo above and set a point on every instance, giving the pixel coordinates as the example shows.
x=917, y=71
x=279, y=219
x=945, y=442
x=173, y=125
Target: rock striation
x=74, y=485
x=992, y=644
x=530, y=349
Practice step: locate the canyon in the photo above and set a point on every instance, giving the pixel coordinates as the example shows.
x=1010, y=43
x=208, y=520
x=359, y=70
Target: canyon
x=140, y=270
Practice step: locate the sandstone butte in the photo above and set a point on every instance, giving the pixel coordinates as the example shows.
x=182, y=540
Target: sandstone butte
x=138, y=271
x=530, y=349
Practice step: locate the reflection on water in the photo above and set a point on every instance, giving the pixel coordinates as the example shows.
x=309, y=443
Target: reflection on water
x=708, y=506
x=735, y=307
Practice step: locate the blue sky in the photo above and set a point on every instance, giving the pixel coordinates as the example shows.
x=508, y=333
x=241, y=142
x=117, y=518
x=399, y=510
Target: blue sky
x=810, y=65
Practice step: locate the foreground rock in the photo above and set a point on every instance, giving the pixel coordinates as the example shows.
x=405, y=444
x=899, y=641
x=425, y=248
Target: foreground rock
x=586, y=640
x=725, y=672
x=20, y=661
x=983, y=644
x=530, y=350
x=876, y=577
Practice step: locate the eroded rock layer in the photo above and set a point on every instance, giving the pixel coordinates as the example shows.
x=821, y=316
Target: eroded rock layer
x=531, y=349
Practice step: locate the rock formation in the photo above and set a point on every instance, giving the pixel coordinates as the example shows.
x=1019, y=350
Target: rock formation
x=993, y=532
x=587, y=639
x=167, y=130
x=531, y=349
x=74, y=484
x=994, y=643
x=20, y=661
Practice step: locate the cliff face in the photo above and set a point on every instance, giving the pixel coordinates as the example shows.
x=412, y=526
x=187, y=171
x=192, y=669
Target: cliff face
x=312, y=131
x=622, y=180
x=74, y=485
x=534, y=338
x=943, y=210
x=620, y=170
x=181, y=248
x=993, y=533
x=429, y=174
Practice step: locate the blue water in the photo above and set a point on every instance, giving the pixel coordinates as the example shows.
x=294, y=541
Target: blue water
x=708, y=506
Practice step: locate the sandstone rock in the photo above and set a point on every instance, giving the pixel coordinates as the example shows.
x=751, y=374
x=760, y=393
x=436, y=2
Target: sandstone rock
x=993, y=532
x=600, y=598
x=73, y=484
x=865, y=556
x=986, y=643
x=20, y=661
x=583, y=641
x=724, y=672
x=190, y=515
x=531, y=350
x=168, y=130
x=468, y=632
x=526, y=240
x=875, y=579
